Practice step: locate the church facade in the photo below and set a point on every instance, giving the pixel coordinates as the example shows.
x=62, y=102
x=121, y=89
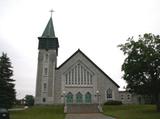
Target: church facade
x=77, y=81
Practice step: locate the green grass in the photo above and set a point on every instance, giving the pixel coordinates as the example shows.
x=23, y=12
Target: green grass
x=132, y=111
x=39, y=112
x=119, y=112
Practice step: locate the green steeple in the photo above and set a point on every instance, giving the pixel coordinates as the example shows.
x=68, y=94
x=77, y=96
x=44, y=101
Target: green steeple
x=49, y=30
x=48, y=40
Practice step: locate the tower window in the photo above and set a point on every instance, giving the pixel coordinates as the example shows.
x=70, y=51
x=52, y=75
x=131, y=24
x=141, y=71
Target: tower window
x=122, y=97
x=44, y=99
x=46, y=57
x=128, y=96
x=45, y=86
x=45, y=71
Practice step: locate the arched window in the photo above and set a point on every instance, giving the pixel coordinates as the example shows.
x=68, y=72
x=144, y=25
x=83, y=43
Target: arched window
x=79, y=97
x=69, y=97
x=88, y=97
x=109, y=93
x=78, y=75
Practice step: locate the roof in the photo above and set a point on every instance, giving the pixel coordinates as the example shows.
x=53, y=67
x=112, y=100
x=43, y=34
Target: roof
x=49, y=30
x=79, y=51
x=48, y=40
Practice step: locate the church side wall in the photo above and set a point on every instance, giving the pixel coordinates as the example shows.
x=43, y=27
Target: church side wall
x=103, y=84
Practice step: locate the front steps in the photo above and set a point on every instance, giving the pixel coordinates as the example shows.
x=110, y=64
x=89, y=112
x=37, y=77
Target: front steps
x=82, y=108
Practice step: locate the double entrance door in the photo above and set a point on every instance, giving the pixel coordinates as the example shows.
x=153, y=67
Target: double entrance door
x=79, y=98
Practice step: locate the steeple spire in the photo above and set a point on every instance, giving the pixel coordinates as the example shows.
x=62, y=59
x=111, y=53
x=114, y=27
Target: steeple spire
x=49, y=30
x=48, y=40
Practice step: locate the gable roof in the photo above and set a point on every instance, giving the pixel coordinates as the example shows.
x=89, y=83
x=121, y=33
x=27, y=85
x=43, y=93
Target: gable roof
x=79, y=51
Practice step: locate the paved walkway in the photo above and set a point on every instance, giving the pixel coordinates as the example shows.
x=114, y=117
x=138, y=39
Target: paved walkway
x=18, y=109
x=87, y=116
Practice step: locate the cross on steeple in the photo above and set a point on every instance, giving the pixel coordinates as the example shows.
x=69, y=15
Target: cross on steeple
x=51, y=11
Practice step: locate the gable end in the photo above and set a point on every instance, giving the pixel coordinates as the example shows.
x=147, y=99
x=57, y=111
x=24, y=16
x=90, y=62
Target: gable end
x=89, y=61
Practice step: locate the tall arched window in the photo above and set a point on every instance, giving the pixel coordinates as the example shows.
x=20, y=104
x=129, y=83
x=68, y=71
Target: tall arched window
x=69, y=97
x=79, y=97
x=109, y=93
x=78, y=75
x=88, y=97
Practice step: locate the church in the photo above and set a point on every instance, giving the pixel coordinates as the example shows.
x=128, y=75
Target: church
x=76, y=81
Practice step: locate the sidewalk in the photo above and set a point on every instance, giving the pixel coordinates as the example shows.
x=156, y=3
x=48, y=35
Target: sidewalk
x=18, y=109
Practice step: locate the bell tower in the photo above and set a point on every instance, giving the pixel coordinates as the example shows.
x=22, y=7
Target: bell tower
x=47, y=63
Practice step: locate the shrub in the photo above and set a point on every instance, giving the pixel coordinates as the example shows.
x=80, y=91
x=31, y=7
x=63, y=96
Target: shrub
x=113, y=102
x=29, y=100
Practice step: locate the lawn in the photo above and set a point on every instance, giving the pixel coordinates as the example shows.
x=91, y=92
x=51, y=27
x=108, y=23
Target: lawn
x=132, y=111
x=39, y=112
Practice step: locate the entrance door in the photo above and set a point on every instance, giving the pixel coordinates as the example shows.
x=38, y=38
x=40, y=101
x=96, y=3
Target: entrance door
x=69, y=98
x=88, y=98
x=79, y=98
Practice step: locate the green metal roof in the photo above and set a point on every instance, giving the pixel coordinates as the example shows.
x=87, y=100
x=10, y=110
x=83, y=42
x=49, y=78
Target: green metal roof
x=49, y=30
x=48, y=40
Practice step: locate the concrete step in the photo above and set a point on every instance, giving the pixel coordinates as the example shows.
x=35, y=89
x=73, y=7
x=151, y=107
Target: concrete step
x=82, y=108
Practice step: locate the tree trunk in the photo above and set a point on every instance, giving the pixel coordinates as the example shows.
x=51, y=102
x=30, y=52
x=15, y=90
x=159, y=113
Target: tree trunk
x=157, y=102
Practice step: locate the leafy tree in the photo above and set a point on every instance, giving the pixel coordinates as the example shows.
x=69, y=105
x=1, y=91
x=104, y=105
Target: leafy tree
x=29, y=100
x=7, y=91
x=141, y=66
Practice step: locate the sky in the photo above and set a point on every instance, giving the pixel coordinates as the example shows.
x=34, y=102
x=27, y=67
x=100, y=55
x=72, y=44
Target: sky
x=94, y=26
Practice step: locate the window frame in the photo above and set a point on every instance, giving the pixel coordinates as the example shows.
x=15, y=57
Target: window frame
x=109, y=94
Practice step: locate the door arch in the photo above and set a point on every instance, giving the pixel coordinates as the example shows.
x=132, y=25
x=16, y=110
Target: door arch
x=88, y=97
x=69, y=97
x=79, y=98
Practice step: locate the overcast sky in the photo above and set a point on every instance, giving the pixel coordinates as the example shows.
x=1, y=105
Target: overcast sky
x=94, y=26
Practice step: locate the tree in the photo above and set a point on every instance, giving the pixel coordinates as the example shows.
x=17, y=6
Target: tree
x=7, y=91
x=141, y=66
x=29, y=100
